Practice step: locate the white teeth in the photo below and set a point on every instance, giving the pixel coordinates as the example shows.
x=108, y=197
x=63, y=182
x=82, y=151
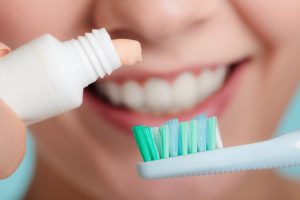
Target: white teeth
x=219, y=76
x=209, y=81
x=204, y=82
x=184, y=91
x=158, y=95
x=132, y=95
x=112, y=90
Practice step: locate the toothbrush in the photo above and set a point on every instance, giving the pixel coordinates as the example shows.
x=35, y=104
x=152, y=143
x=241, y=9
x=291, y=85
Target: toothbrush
x=283, y=151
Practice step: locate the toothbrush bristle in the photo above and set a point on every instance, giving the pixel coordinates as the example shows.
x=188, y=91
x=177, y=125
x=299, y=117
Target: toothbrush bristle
x=138, y=132
x=183, y=138
x=175, y=138
x=193, y=139
x=211, y=142
x=165, y=141
x=202, y=132
x=151, y=143
x=174, y=128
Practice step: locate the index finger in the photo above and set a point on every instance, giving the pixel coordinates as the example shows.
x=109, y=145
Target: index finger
x=4, y=49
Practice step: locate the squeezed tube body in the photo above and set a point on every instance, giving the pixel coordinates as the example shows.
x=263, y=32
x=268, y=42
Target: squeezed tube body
x=46, y=77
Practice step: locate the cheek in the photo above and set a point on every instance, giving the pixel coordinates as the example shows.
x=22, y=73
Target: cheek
x=21, y=21
x=274, y=21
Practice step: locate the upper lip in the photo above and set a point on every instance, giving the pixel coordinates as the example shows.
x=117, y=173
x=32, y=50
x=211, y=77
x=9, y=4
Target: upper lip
x=142, y=71
x=140, y=74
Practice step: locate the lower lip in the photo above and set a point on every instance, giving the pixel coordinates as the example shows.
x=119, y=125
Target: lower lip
x=125, y=119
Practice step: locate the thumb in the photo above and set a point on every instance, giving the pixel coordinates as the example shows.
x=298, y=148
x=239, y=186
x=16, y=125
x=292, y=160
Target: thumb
x=12, y=141
x=4, y=49
x=12, y=135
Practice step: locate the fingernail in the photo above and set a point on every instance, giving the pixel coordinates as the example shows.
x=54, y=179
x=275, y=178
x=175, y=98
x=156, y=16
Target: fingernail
x=4, y=49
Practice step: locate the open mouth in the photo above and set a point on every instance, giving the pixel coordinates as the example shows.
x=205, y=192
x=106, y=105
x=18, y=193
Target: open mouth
x=153, y=99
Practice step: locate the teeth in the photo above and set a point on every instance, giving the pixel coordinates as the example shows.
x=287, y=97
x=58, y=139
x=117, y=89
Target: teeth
x=209, y=81
x=220, y=74
x=112, y=90
x=184, y=91
x=158, y=95
x=132, y=95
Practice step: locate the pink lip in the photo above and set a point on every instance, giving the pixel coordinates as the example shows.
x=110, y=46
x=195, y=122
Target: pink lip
x=125, y=119
x=141, y=75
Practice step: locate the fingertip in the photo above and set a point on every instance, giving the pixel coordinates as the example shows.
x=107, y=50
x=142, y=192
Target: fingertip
x=4, y=49
x=129, y=51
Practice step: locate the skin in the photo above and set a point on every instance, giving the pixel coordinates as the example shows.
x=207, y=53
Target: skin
x=98, y=162
x=12, y=135
x=129, y=51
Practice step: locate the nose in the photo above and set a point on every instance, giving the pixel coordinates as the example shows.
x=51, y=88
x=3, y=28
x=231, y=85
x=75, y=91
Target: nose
x=151, y=20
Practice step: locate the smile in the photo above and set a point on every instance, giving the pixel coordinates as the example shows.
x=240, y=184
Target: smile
x=155, y=98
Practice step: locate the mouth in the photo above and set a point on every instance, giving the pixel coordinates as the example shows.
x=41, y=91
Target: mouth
x=156, y=98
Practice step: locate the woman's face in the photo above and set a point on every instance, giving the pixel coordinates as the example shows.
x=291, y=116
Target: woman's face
x=234, y=59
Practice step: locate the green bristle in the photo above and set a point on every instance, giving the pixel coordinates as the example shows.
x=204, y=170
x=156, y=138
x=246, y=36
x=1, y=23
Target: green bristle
x=165, y=141
x=138, y=132
x=157, y=139
x=151, y=143
x=183, y=138
x=193, y=136
x=211, y=143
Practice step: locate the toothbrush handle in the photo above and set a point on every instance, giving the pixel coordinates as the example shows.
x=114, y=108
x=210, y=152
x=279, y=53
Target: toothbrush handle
x=282, y=151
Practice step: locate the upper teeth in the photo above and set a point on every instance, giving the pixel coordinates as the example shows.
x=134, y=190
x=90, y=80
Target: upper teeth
x=159, y=95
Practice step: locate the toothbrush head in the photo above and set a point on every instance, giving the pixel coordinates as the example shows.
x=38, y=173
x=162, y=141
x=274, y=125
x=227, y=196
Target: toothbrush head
x=176, y=139
x=178, y=149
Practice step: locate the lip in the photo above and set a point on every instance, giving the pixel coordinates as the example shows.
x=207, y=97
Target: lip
x=140, y=76
x=124, y=118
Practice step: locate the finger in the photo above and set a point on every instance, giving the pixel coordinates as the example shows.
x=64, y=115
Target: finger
x=4, y=49
x=12, y=141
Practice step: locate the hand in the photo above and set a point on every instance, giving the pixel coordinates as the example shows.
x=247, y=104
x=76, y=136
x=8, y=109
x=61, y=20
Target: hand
x=12, y=135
